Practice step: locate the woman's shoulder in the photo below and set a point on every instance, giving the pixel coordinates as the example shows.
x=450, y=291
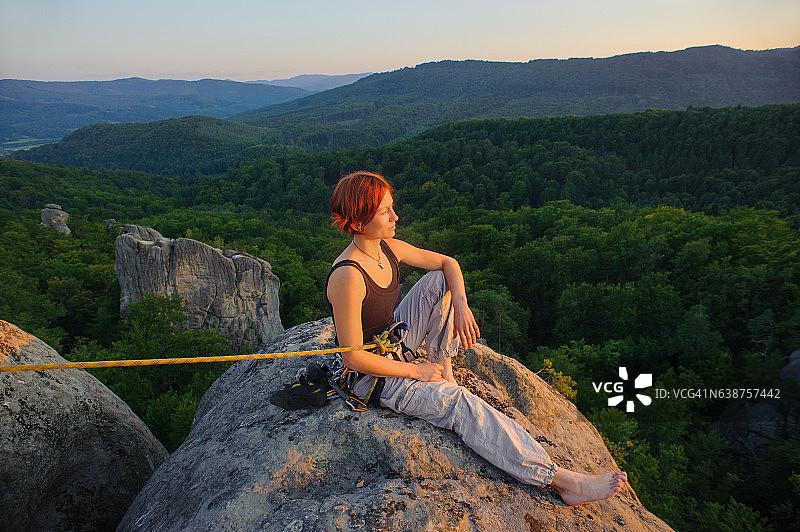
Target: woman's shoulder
x=398, y=247
x=395, y=244
x=346, y=280
x=345, y=269
x=346, y=254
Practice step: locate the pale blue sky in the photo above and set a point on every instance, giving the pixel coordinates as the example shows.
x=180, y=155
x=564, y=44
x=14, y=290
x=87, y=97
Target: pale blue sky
x=248, y=40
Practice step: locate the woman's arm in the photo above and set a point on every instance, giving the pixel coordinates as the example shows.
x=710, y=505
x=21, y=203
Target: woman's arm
x=464, y=325
x=346, y=292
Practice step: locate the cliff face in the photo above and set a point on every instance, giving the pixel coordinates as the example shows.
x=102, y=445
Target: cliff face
x=231, y=292
x=72, y=454
x=249, y=465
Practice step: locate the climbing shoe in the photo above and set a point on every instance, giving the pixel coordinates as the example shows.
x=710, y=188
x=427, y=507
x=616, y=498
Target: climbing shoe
x=310, y=392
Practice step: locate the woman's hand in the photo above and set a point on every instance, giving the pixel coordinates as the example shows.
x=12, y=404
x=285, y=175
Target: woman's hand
x=428, y=372
x=465, y=328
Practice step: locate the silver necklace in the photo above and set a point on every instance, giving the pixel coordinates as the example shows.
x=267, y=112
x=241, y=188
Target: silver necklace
x=378, y=260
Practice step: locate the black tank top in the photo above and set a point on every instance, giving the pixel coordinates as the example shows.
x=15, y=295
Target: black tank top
x=377, y=308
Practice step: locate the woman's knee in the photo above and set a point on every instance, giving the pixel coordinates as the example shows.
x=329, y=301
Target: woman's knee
x=422, y=297
x=424, y=399
x=444, y=396
x=434, y=279
x=432, y=286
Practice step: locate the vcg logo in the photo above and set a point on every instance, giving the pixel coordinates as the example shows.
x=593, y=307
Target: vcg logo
x=645, y=380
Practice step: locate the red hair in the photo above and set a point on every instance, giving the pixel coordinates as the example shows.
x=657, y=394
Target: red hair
x=356, y=199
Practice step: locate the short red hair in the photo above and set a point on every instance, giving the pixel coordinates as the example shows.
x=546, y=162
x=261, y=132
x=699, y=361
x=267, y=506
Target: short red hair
x=356, y=199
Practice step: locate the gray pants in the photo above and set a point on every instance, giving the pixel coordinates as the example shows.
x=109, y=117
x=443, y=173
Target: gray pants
x=428, y=311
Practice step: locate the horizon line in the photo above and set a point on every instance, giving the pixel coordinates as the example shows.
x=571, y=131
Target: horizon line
x=287, y=77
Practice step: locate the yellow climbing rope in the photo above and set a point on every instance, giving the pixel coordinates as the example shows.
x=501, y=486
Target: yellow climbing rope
x=381, y=342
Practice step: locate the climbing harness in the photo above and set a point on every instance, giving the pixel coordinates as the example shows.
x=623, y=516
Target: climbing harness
x=339, y=380
x=335, y=384
x=397, y=335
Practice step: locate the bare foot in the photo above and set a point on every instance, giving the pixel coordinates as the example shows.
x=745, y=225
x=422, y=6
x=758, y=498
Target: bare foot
x=578, y=488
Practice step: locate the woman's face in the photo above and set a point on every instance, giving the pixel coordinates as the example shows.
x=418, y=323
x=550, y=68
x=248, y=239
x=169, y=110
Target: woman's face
x=383, y=223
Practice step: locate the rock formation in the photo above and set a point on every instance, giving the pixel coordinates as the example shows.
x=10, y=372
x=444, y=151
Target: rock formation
x=232, y=292
x=73, y=454
x=792, y=369
x=750, y=426
x=249, y=465
x=55, y=218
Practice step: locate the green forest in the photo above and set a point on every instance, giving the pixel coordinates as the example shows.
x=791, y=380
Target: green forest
x=664, y=242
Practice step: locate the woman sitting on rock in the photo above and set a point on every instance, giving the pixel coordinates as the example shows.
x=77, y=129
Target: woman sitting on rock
x=362, y=291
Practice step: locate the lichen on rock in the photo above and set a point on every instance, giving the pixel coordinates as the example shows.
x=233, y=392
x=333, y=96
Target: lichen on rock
x=73, y=454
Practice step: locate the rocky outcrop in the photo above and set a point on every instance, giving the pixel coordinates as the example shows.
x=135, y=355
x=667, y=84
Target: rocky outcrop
x=752, y=425
x=232, y=292
x=792, y=369
x=73, y=454
x=55, y=218
x=249, y=465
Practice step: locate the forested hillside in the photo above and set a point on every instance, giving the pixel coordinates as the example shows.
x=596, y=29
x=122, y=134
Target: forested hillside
x=701, y=159
x=386, y=107
x=391, y=106
x=188, y=146
x=665, y=241
x=34, y=112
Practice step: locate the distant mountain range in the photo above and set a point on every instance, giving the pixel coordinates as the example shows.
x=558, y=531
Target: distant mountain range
x=37, y=112
x=315, y=82
x=32, y=111
x=387, y=107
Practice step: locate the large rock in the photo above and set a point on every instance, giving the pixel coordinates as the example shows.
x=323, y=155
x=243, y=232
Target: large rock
x=792, y=369
x=249, y=465
x=752, y=425
x=73, y=454
x=232, y=292
x=55, y=218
